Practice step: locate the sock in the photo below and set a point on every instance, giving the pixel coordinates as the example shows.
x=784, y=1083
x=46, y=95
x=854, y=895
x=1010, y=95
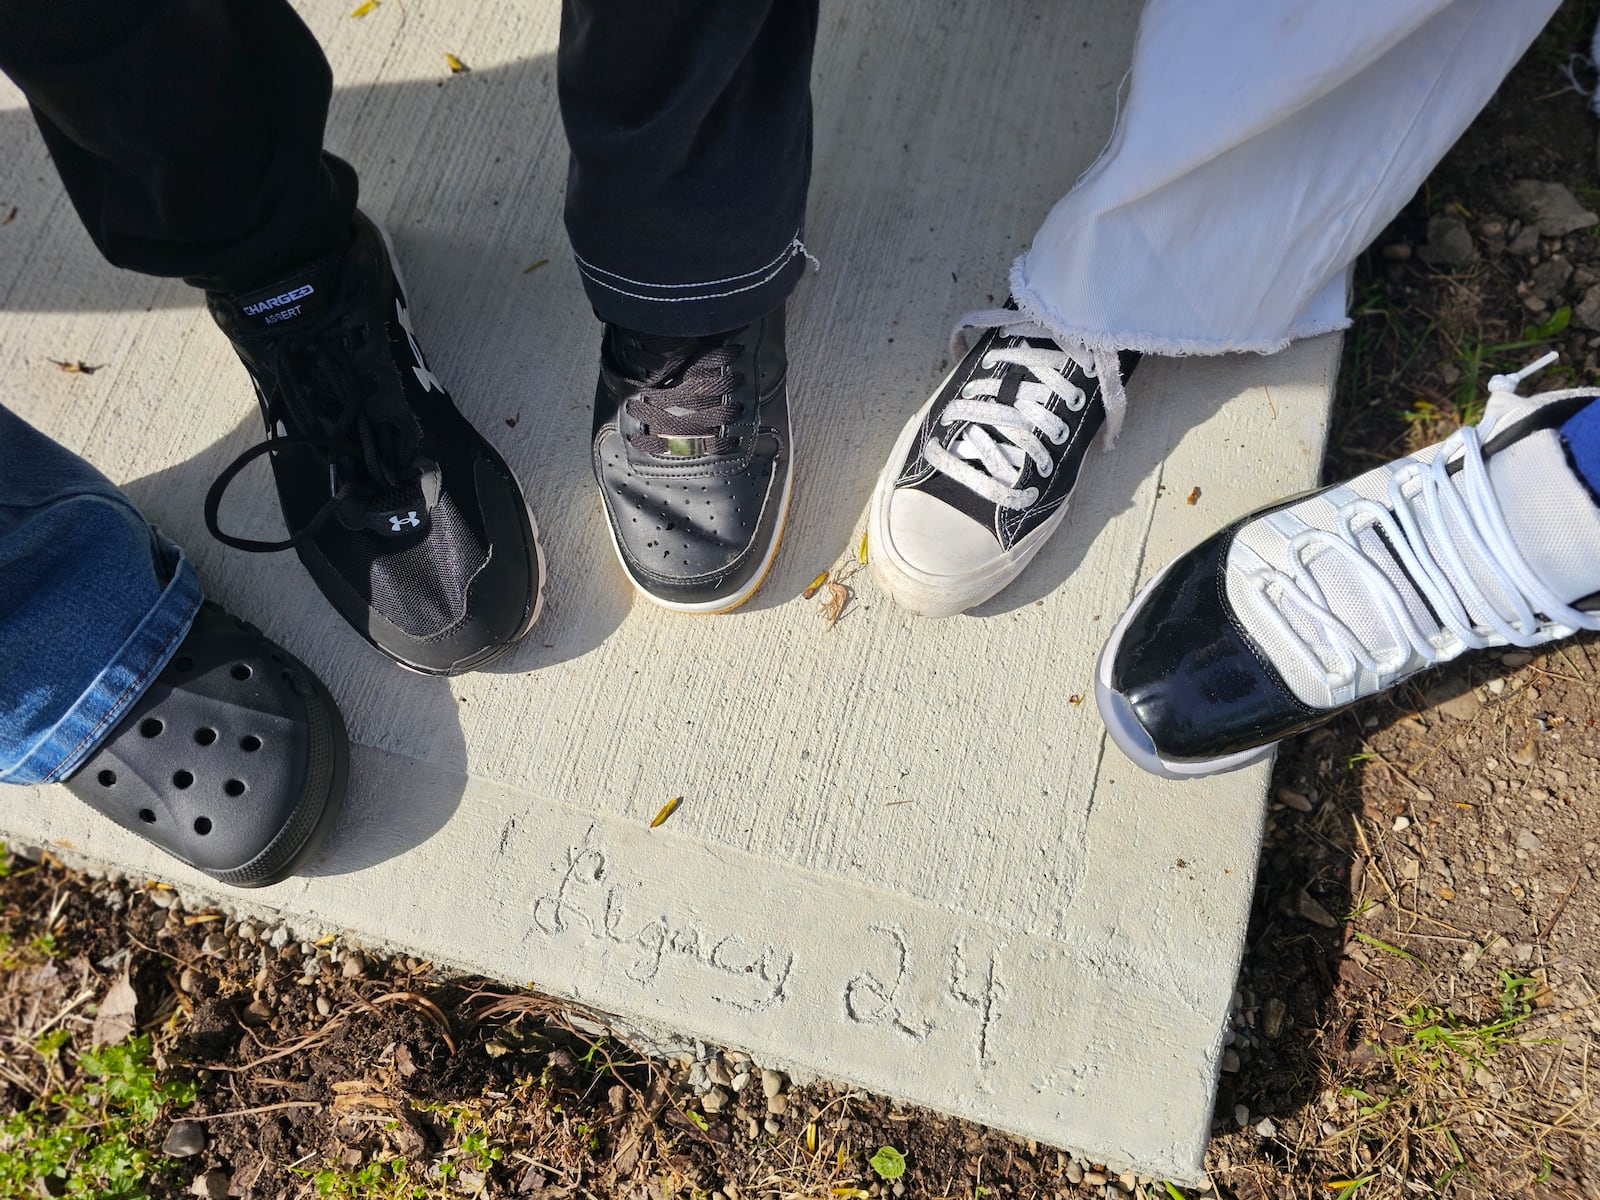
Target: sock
x=1581, y=433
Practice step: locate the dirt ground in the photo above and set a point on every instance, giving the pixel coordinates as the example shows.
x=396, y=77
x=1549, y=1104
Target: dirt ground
x=1416, y=1011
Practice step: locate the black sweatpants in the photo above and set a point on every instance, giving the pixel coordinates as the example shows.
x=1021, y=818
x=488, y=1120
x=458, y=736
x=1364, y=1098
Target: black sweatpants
x=189, y=136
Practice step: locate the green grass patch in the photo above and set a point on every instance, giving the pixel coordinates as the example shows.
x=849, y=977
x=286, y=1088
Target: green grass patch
x=84, y=1140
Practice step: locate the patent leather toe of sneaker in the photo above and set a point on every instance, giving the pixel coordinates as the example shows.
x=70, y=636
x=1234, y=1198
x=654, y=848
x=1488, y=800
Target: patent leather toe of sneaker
x=1181, y=667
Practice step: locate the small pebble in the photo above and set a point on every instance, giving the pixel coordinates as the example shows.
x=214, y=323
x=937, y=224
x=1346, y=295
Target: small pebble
x=753, y=1129
x=1074, y=1171
x=188, y=981
x=740, y=1081
x=1230, y=1060
x=772, y=1126
x=215, y=943
x=1267, y=1129
x=1094, y=1178
x=1402, y=823
x=279, y=938
x=213, y=1185
x=163, y=899
x=714, y=1100
x=1241, y=1115
x=1290, y=798
x=184, y=1139
x=1273, y=1013
x=778, y=1105
x=771, y=1083
x=323, y=1007
x=247, y=932
x=717, y=1073
x=1496, y=686
x=354, y=966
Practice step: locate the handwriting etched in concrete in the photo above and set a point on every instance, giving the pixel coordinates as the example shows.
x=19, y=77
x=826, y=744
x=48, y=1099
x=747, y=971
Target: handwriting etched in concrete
x=984, y=998
x=587, y=901
x=868, y=1001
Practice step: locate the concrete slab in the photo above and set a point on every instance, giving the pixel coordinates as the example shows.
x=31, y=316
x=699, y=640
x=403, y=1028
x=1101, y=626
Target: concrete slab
x=907, y=857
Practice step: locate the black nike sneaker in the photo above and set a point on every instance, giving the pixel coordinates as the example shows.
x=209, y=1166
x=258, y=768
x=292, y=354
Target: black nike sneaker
x=408, y=520
x=980, y=477
x=693, y=453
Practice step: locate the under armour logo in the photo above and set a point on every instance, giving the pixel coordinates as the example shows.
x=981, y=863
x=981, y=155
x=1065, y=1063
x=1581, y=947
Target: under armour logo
x=425, y=377
x=399, y=523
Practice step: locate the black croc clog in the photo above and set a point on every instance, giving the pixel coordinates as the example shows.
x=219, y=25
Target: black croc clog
x=234, y=761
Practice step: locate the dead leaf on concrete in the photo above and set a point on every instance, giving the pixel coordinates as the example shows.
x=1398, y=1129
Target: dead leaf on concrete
x=1194, y=496
x=457, y=67
x=835, y=598
x=814, y=586
x=75, y=366
x=115, y=1020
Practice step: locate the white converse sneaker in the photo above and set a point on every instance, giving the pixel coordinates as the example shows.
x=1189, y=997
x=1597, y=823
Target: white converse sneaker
x=1292, y=614
x=980, y=477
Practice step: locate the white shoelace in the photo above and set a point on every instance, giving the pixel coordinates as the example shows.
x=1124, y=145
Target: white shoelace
x=1414, y=525
x=1000, y=438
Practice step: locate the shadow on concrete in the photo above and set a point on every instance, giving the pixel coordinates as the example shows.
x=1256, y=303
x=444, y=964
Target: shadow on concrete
x=409, y=719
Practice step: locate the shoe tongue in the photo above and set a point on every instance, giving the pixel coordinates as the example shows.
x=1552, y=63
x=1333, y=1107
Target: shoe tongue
x=641, y=355
x=1550, y=514
x=292, y=299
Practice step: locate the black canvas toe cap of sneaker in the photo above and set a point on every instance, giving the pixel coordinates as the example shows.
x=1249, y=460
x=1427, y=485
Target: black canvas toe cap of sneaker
x=1192, y=676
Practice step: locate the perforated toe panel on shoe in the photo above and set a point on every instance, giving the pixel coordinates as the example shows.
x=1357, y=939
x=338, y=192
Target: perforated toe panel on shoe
x=684, y=527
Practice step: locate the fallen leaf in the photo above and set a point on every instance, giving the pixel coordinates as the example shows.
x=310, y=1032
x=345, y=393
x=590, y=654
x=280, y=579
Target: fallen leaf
x=667, y=809
x=456, y=66
x=1194, y=496
x=115, y=1020
x=363, y=9
x=534, y=266
x=861, y=550
x=811, y=1137
x=814, y=586
x=10, y=216
x=77, y=367
x=838, y=596
x=1074, y=699
x=511, y=422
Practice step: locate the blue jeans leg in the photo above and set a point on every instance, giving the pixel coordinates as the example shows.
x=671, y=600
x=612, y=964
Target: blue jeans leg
x=93, y=602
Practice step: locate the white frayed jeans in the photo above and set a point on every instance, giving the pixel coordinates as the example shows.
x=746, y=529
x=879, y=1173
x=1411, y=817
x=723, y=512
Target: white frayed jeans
x=1263, y=144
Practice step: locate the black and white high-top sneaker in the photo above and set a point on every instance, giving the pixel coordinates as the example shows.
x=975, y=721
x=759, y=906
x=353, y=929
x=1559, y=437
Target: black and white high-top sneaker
x=408, y=520
x=980, y=477
x=693, y=453
x=1290, y=615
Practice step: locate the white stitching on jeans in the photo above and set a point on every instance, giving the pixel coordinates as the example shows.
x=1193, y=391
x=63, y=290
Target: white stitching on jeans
x=796, y=247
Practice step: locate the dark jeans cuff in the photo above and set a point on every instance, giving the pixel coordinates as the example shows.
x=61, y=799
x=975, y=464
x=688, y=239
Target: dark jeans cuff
x=695, y=309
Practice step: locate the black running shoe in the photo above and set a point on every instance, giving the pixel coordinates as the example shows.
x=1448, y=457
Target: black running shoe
x=409, y=521
x=692, y=450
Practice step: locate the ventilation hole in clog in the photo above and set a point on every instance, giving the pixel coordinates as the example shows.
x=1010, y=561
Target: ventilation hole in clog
x=205, y=736
x=107, y=778
x=202, y=825
x=234, y=787
x=150, y=727
x=249, y=743
x=182, y=779
x=182, y=663
x=148, y=817
x=241, y=672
